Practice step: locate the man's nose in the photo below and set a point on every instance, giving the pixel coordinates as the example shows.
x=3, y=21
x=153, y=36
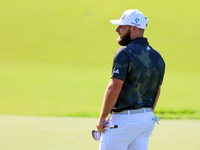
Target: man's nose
x=117, y=29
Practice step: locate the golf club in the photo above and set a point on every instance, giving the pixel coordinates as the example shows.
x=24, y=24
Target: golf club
x=96, y=135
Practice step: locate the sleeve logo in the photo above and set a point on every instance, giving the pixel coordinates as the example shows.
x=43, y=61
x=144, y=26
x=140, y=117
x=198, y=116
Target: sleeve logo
x=116, y=71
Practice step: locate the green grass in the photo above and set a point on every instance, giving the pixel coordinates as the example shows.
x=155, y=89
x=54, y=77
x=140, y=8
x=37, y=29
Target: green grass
x=57, y=133
x=42, y=91
x=56, y=56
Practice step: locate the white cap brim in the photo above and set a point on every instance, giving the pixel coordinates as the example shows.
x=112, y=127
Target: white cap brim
x=117, y=22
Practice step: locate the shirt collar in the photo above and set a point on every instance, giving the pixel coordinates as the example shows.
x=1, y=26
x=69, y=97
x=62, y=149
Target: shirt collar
x=140, y=40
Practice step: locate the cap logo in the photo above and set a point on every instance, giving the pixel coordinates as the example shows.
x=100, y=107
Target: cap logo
x=123, y=16
x=137, y=20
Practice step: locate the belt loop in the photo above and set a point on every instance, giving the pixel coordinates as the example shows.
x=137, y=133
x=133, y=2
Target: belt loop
x=128, y=112
x=144, y=110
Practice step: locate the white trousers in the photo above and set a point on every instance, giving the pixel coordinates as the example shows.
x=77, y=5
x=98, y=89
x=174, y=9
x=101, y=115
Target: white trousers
x=132, y=133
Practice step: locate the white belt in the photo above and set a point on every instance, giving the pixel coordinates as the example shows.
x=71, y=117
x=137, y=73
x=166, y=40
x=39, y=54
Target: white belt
x=133, y=111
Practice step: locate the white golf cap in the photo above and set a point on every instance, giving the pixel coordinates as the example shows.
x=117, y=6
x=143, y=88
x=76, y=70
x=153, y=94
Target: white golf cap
x=132, y=17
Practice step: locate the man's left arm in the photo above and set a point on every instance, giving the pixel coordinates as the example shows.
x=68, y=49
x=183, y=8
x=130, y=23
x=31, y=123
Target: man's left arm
x=157, y=96
x=110, y=99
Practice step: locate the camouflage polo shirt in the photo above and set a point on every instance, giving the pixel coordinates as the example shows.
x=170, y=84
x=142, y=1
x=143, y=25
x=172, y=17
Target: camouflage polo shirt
x=142, y=69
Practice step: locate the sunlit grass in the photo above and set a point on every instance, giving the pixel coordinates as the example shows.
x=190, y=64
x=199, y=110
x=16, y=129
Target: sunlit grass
x=56, y=57
x=52, y=133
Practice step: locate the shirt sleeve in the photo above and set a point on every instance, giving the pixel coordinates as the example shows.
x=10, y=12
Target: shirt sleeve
x=120, y=65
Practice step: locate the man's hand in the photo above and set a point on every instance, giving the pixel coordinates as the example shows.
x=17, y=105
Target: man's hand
x=100, y=125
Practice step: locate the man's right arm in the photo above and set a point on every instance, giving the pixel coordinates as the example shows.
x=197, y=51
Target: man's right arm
x=110, y=99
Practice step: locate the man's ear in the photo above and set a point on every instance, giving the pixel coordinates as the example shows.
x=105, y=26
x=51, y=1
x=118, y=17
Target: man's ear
x=133, y=29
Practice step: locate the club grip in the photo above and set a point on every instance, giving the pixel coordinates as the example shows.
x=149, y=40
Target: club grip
x=111, y=127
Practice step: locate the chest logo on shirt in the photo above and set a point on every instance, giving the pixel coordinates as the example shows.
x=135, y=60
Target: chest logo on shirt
x=116, y=71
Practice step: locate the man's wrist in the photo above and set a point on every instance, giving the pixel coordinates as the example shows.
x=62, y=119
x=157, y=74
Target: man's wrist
x=102, y=117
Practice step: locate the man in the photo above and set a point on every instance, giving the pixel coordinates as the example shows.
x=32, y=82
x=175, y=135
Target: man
x=134, y=88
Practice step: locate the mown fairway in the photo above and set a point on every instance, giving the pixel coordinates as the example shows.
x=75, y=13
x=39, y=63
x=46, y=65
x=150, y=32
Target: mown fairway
x=56, y=56
x=54, y=133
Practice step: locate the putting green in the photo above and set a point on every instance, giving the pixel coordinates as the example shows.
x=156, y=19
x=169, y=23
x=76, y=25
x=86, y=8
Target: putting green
x=59, y=133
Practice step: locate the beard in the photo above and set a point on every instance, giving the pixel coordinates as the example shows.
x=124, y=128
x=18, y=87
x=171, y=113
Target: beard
x=124, y=40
